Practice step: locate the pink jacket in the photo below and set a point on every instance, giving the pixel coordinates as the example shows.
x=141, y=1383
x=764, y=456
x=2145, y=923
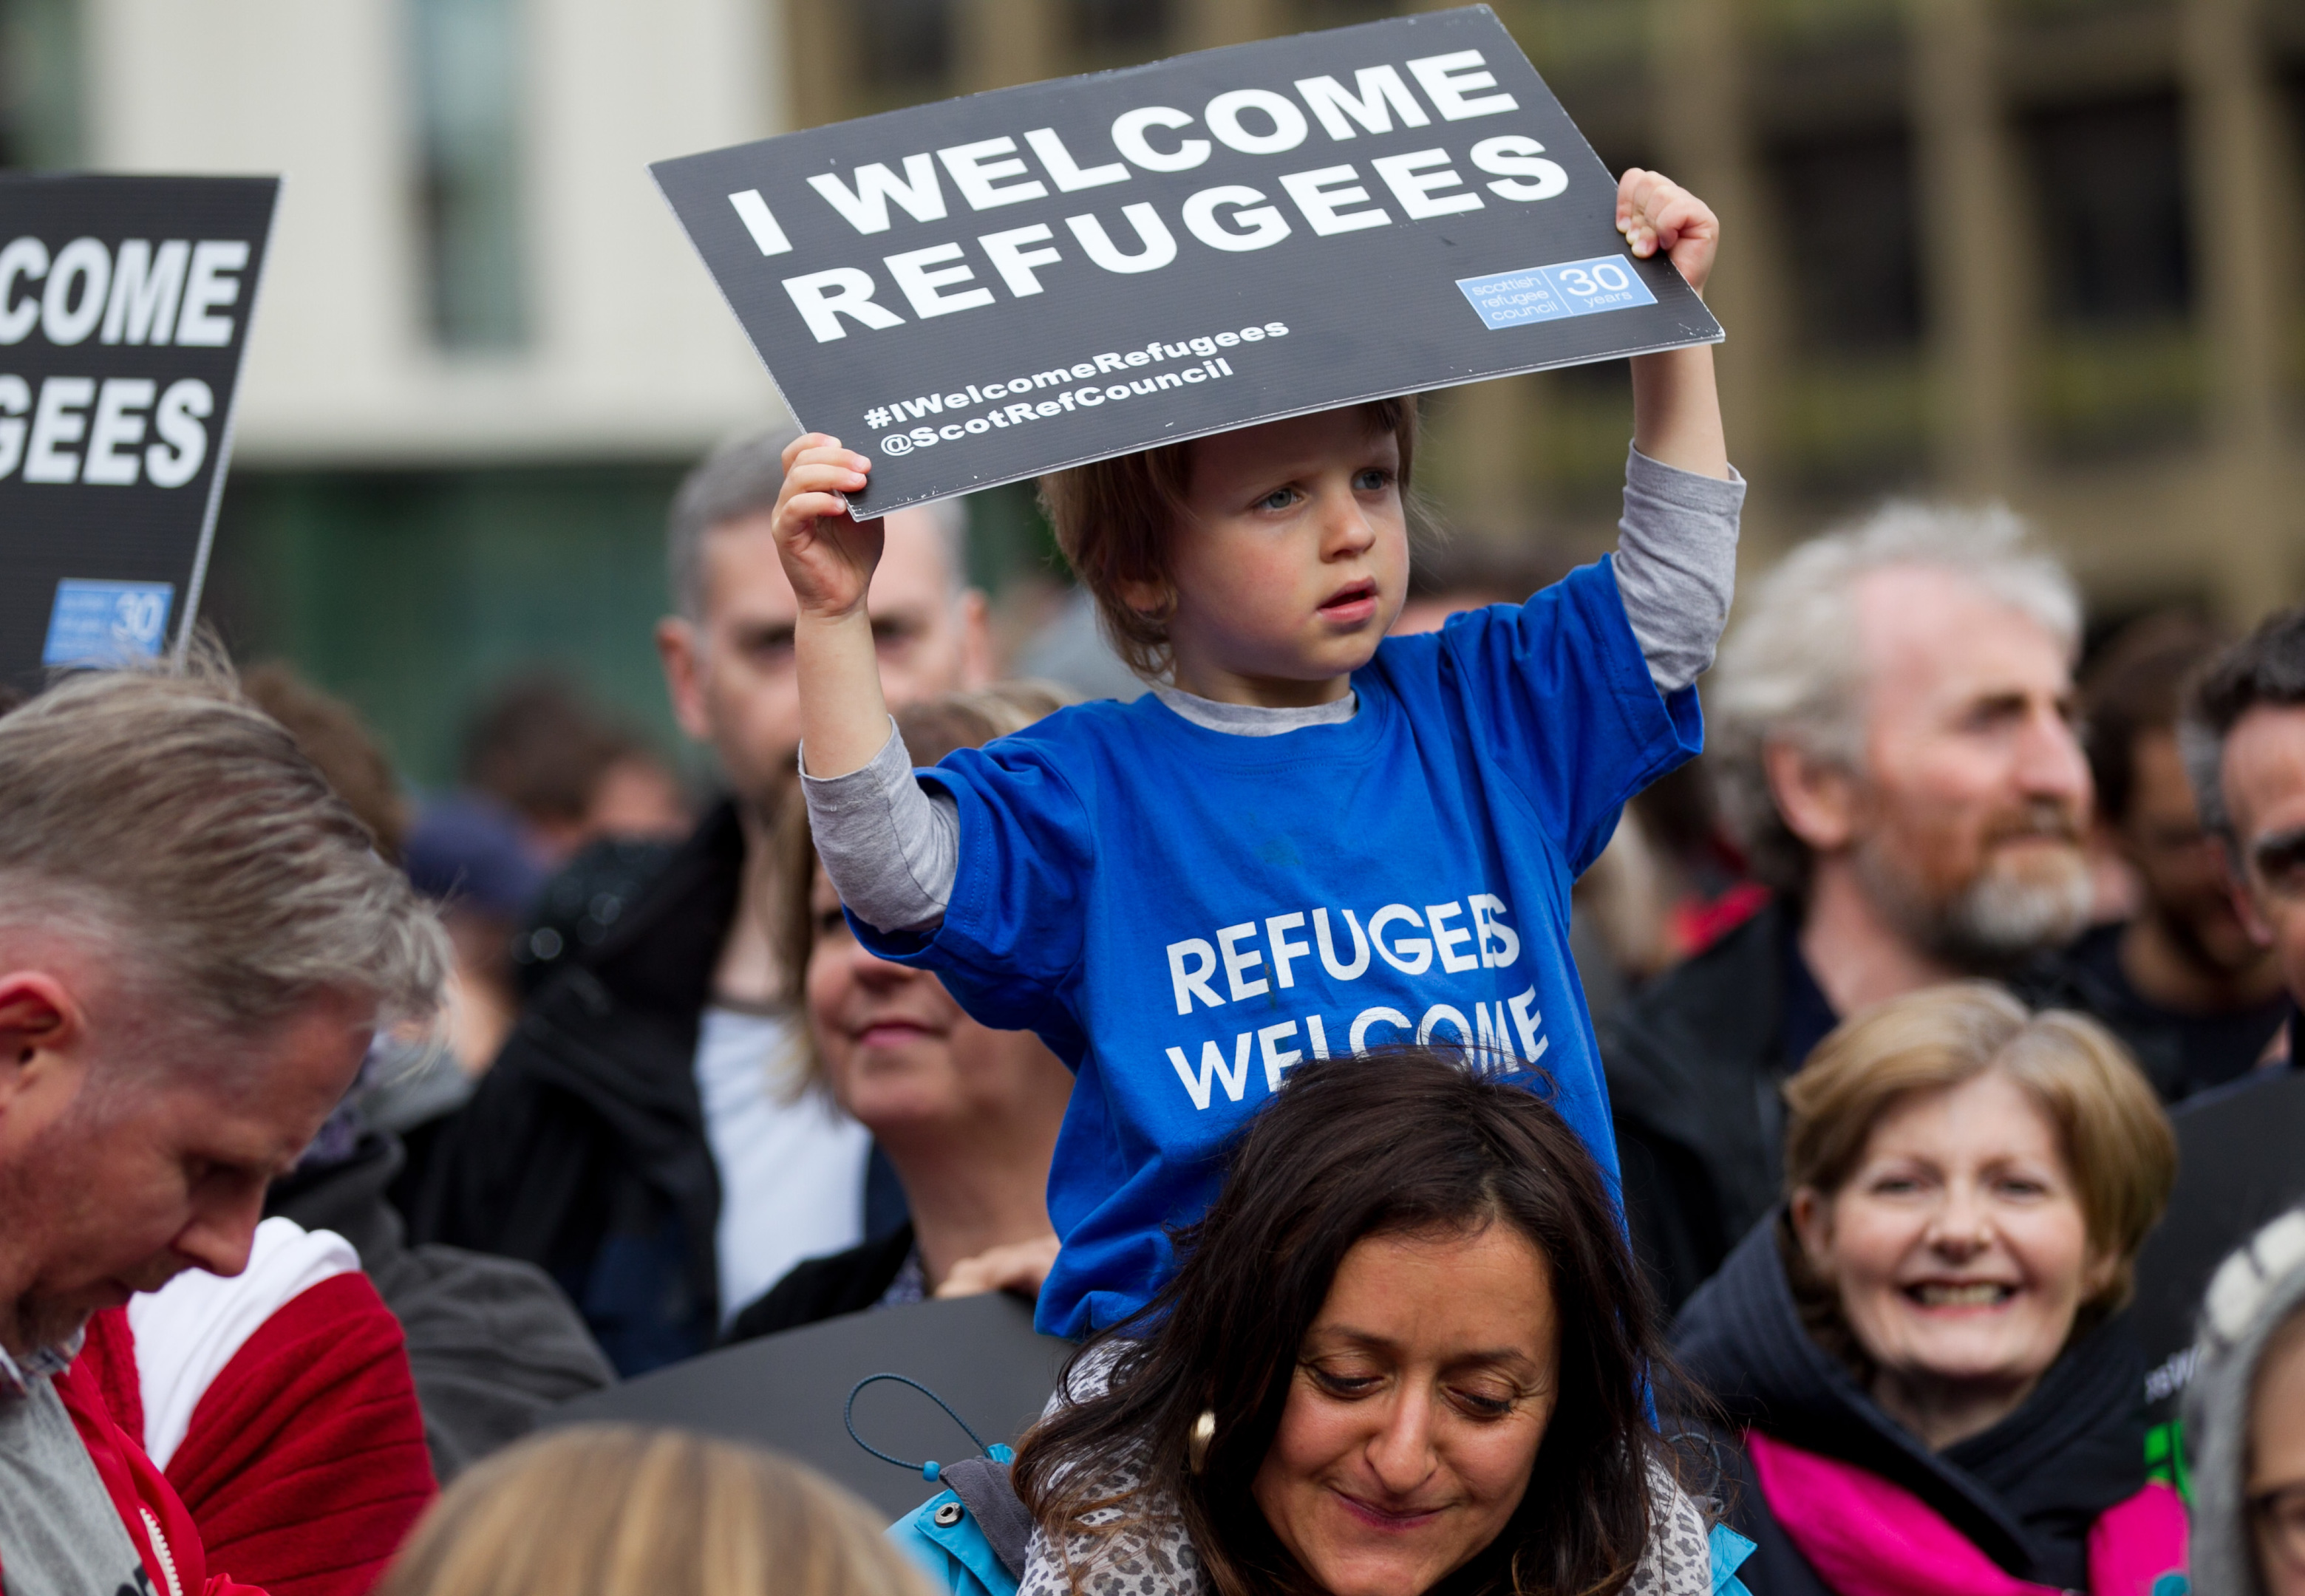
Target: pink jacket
x=1868, y=1537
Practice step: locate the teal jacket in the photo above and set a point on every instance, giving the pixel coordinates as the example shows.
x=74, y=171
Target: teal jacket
x=972, y=1535
x=944, y=1538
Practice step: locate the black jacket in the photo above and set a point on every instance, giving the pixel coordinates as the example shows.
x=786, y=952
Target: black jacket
x=2179, y=1054
x=2241, y=1164
x=818, y=1288
x=491, y=1342
x=2025, y=1492
x=583, y=1149
x=1694, y=1063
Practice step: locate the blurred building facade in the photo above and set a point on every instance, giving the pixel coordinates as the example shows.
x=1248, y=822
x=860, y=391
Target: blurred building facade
x=2028, y=249
x=2034, y=249
x=482, y=351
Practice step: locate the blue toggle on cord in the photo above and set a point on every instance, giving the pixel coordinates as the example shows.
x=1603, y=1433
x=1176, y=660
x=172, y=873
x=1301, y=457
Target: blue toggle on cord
x=928, y=1470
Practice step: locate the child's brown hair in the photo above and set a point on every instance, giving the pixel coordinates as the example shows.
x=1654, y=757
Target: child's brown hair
x=1112, y=520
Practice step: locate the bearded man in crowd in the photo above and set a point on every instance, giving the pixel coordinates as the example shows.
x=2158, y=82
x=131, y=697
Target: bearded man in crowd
x=2244, y=738
x=1893, y=714
x=2184, y=981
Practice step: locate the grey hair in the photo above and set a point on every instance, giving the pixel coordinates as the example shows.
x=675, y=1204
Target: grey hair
x=180, y=825
x=1791, y=667
x=2255, y=1293
x=743, y=478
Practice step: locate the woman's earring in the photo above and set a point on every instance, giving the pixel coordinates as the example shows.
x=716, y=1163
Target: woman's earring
x=1197, y=1446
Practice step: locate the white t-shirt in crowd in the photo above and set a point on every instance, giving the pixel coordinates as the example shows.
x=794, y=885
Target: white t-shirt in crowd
x=792, y=1173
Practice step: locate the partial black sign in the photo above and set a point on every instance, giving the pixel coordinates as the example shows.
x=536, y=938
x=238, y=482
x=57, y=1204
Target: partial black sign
x=790, y=1391
x=124, y=304
x=996, y=287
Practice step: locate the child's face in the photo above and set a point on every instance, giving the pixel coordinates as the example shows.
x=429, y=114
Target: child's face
x=1294, y=561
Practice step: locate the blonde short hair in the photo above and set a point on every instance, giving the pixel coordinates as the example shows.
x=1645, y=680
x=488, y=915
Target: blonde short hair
x=2117, y=1142
x=622, y=1510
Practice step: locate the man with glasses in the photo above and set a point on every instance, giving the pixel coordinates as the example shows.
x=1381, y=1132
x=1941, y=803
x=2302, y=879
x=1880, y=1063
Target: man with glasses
x=2182, y=980
x=2242, y=1148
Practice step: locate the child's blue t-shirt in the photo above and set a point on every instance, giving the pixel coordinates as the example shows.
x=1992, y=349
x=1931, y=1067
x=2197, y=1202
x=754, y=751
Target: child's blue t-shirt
x=1183, y=914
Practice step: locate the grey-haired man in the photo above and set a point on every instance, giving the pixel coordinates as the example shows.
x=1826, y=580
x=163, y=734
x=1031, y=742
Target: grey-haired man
x=197, y=942
x=1892, y=716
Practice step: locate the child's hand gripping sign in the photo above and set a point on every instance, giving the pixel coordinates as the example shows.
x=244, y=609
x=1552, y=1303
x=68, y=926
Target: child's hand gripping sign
x=998, y=287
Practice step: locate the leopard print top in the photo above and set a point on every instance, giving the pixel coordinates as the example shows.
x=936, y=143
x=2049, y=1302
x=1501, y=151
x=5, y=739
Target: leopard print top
x=1156, y=1558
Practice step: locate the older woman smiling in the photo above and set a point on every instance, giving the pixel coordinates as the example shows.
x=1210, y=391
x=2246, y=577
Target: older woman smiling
x=1924, y=1349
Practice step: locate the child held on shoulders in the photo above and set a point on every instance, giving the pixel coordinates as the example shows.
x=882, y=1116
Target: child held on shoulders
x=1308, y=837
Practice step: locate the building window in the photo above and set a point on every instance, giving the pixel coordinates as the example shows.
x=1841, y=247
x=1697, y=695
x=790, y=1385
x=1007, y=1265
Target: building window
x=2110, y=186
x=468, y=107
x=1341, y=13
x=1850, y=408
x=1119, y=26
x=1847, y=205
x=903, y=44
x=39, y=84
x=2121, y=366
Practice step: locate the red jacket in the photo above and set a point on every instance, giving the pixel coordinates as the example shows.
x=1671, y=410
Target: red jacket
x=304, y=1467
x=160, y=1526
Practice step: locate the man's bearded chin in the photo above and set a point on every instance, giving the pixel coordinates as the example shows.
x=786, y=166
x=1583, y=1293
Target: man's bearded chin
x=2008, y=912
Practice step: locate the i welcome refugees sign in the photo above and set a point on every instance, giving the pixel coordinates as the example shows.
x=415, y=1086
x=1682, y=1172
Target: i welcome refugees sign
x=124, y=304
x=992, y=287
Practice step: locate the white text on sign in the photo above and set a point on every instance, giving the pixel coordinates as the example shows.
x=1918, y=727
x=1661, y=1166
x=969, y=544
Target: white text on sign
x=124, y=430
x=944, y=279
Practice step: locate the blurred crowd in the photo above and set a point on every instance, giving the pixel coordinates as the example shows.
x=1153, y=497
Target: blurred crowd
x=1946, y=1006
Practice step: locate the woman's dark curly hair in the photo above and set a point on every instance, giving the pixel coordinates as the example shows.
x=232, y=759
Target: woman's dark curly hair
x=1399, y=1141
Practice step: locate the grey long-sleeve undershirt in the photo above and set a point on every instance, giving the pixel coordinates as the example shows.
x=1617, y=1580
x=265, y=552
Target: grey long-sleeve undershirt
x=892, y=849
